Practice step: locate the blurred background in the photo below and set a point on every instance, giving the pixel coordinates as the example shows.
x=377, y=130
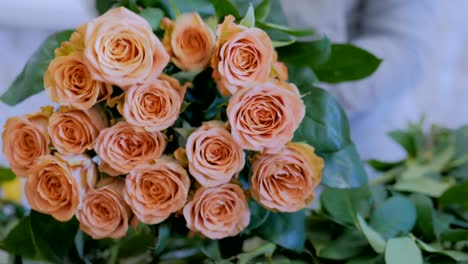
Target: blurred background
x=439, y=90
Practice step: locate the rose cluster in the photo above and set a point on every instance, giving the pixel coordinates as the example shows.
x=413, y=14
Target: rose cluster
x=111, y=172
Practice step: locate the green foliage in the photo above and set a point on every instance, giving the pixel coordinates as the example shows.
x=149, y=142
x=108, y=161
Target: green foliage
x=343, y=204
x=347, y=63
x=30, y=80
x=6, y=174
x=153, y=16
x=33, y=238
x=402, y=250
x=326, y=128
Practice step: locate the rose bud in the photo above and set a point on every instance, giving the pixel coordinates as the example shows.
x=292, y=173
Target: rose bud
x=74, y=131
x=123, y=147
x=285, y=181
x=265, y=117
x=213, y=155
x=189, y=41
x=56, y=184
x=103, y=212
x=218, y=212
x=25, y=138
x=154, y=105
x=156, y=191
x=121, y=49
x=69, y=82
x=243, y=57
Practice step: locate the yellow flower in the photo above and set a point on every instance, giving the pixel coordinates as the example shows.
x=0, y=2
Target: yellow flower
x=12, y=190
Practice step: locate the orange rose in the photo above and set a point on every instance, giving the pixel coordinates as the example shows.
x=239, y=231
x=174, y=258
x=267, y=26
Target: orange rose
x=51, y=188
x=25, y=139
x=156, y=191
x=285, y=181
x=123, y=147
x=265, y=117
x=154, y=105
x=213, y=155
x=74, y=131
x=218, y=212
x=104, y=213
x=120, y=48
x=243, y=57
x=189, y=42
x=69, y=82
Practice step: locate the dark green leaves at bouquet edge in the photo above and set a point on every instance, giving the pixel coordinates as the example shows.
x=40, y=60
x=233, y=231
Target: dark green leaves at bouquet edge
x=32, y=237
x=326, y=128
x=456, y=195
x=262, y=10
x=285, y=229
x=347, y=63
x=30, y=81
x=6, y=174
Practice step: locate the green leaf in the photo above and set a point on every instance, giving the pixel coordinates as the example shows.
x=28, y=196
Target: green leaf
x=103, y=5
x=20, y=240
x=326, y=128
x=6, y=174
x=310, y=53
x=325, y=125
x=411, y=140
x=396, y=216
x=135, y=245
x=425, y=215
x=343, y=169
x=153, y=16
x=30, y=80
x=224, y=8
x=249, y=18
x=457, y=195
x=258, y=216
x=164, y=233
x=285, y=229
x=424, y=185
x=383, y=166
x=343, y=204
x=375, y=239
x=454, y=235
x=32, y=238
x=53, y=247
x=435, y=248
x=347, y=63
x=279, y=44
x=346, y=246
x=290, y=31
x=265, y=250
x=263, y=10
x=402, y=250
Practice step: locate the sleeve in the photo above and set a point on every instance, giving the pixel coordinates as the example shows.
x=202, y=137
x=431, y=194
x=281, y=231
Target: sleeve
x=399, y=32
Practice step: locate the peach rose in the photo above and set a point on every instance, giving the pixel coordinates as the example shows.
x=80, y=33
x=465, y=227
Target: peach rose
x=56, y=184
x=189, y=41
x=123, y=147
x=218, y=212
x=243, y=57
x=265, y=117
x=25, y=139
x=285, y=181
x=213, y=155
x=154, y=105
x=104, y=213
x=156, y=191
x=120, y=48
x=74, y=131
x=69, y=82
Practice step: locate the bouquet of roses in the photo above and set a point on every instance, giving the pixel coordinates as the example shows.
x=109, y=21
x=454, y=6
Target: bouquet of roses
x=178, y=122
